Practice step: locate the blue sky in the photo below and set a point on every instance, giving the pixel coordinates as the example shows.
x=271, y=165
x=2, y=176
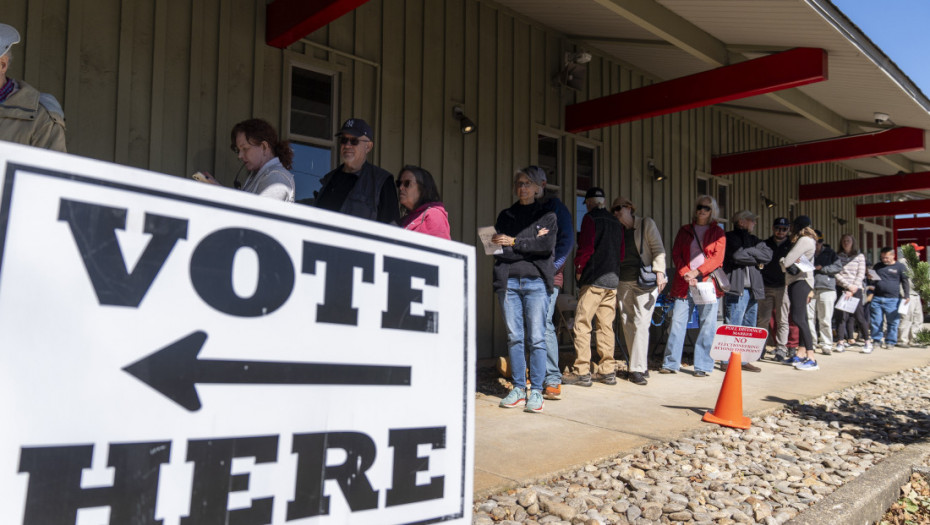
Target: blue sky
x=900, y=29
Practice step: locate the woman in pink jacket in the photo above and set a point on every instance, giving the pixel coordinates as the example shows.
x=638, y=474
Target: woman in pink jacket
x=422, y=209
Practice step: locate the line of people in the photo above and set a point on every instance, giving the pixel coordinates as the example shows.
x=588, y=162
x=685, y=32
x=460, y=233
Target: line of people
x=620, y=268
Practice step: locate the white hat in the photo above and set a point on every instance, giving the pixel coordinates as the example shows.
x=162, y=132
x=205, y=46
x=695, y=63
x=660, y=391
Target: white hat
x=8, y=36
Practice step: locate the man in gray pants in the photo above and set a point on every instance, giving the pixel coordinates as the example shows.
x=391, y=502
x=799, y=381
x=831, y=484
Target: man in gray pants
x=773, y=279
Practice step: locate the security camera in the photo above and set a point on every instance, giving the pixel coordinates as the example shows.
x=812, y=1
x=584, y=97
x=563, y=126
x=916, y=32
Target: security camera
x=881, y=118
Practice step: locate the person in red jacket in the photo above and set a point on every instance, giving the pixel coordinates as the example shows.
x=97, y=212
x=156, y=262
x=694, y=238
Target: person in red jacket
x=698, y=251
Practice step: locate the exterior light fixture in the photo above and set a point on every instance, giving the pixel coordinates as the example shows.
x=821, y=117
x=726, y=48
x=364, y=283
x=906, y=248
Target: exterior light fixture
x=839, y=220
x=657, y=174
x=465, y=123
x=769, y=203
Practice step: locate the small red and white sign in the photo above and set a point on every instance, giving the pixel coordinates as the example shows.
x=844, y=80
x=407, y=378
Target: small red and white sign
x=747, y=340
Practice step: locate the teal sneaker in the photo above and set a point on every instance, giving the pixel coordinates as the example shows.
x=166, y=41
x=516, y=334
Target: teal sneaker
x=535, y=402
x=516, y=398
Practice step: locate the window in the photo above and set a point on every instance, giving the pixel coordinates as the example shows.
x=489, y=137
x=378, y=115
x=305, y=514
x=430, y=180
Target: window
x=703, y=186
x=585, y=178
x=723, y=202
x=547, y=158
x=310, y=128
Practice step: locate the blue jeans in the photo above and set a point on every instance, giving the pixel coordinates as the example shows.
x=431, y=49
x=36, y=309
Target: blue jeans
x=742, y=310
x=681, y=312
x=553, y=374
x=886, y=307
x=525, y=302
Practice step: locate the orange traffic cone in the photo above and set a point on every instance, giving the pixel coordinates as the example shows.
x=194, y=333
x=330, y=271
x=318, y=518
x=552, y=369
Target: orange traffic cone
x=729, y=410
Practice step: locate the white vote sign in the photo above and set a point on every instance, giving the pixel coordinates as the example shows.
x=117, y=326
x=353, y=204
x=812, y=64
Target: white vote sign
x=177, y=353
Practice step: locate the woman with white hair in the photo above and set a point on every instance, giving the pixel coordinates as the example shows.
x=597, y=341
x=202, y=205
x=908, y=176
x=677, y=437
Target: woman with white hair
x=698, y=251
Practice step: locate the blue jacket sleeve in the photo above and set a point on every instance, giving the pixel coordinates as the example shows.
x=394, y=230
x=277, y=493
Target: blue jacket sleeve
x=565, y=240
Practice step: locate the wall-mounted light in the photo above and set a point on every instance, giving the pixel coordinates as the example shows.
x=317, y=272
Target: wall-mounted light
x=769, y=203
x=839, y=220
x=656, y=173
x=465, y=123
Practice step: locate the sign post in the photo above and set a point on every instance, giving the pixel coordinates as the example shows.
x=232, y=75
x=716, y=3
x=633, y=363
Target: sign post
x=174, y=353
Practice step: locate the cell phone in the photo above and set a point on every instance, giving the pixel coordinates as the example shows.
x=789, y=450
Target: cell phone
x=199, y=177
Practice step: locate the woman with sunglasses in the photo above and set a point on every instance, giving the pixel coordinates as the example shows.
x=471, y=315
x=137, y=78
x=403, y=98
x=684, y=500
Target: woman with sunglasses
x=523, y=281
x=644, y=247
x=698, y=251
x=421, y=207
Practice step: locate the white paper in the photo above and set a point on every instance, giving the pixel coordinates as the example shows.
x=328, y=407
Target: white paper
x=902, y=307
x=485, y=233
x=873, y=276
x=805, y=265
x=704, y=293
x=847, y=304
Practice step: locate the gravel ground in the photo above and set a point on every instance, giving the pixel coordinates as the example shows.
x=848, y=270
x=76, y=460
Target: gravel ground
x=787, y=461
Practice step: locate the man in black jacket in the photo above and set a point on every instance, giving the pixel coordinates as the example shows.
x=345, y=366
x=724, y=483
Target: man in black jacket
x=773, y=280
x=597, y=267
x=744, y=255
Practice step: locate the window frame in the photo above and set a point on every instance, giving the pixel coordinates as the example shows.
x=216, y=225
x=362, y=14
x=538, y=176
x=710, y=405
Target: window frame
x=310, y=65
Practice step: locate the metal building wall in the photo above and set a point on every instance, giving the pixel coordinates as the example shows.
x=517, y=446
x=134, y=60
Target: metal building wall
x=157, y=84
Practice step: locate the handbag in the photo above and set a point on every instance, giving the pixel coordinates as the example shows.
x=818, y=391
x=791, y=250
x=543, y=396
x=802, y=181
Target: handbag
x=718, y=275
x=793, y=269
x=647, y=279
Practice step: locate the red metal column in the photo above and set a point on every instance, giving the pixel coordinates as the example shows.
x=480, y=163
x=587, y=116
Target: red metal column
x=882, y=209
x=287, y=21
x=895, y=140
x=909, y=224
x=860, y=187
x=796, y=67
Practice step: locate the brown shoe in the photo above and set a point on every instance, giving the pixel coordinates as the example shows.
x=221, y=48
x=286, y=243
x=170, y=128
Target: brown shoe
x=553, y=392
x=575, y=379
x=749, y=367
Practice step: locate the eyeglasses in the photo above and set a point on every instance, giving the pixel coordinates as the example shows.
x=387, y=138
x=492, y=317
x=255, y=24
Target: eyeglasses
x=523, y=184
x=351, y=140
x=404, y=183
x=703, y=207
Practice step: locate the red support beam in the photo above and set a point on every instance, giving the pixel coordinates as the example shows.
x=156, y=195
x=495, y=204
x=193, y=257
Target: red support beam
x=860, y=187
x=788, y=69
x=883, y=209
x=912, y=235
x=287, y=21
x=909, y=224
x=895, y=140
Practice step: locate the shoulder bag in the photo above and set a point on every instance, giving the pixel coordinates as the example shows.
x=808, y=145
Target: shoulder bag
x=647, y=278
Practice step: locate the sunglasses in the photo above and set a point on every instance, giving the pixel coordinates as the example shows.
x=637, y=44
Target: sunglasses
x=703, y=207
x=618, y=208
x=523, y=184
x=404, y=183
x=351, y=140
x=781, y=229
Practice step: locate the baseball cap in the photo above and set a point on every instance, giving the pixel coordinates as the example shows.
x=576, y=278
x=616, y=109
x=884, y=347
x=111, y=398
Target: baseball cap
x=916, y=247
x=358, y=128
x=819, y=235
x=781, y=221
x=8, y=36
x=594, y=192
x=801, y=222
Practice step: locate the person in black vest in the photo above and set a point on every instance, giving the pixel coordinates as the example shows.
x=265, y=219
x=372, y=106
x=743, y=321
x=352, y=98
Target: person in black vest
x=597, y=268
x=358, y=187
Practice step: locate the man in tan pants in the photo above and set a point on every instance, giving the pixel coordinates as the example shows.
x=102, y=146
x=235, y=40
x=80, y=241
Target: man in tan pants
x=597, y=263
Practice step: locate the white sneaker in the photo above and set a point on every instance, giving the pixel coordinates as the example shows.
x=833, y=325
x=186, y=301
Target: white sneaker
x=867, y=349
x=840, y=348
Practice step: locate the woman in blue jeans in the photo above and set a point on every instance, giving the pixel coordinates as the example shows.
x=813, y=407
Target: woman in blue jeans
x=698, y=251
x=523, y=275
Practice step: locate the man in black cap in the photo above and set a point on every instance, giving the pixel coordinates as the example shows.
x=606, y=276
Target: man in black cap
x=358, y=187
x=773, y=279
x=597, y=269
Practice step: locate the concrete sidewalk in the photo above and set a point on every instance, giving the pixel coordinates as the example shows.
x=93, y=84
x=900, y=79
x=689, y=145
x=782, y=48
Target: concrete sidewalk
x=513, y=447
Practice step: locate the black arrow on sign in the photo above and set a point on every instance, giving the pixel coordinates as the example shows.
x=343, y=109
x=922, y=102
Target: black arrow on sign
x=175, y=371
